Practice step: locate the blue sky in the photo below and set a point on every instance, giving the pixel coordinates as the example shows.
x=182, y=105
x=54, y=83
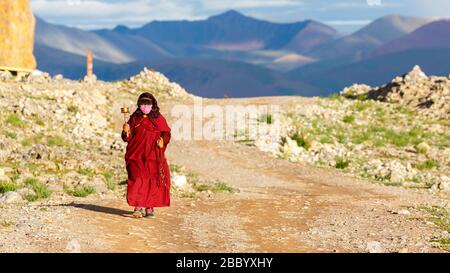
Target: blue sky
x=345, y=15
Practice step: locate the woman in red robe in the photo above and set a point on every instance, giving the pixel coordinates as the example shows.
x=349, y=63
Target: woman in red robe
x=147, y=134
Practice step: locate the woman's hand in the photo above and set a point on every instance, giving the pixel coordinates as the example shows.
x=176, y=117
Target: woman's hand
x=126, y=128
x=160, y=142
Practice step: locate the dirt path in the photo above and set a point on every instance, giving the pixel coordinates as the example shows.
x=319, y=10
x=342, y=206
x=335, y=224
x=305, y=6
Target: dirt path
x=279, y=207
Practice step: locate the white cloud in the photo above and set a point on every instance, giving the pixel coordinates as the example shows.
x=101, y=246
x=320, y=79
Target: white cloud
x=143, y=11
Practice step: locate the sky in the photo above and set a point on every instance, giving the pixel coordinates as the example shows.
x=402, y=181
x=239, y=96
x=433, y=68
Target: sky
x=344, y=15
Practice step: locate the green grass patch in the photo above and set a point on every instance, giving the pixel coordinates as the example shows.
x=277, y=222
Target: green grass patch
x=14, y=119
x=442, y=242
x=326, y=139
x=56, y=140
x=86, y=172
x=215, y=187
x=72, y=109
x=41, y=190
x=32, y=167
x=360, y=137
x=26, y=142
x=427, y=165
x=40, y=122
x=175, y=168
x=349, y=119
x=267, y=118
x=301, y=141
x=8, y=186
x=11, y=135
x=440, y=216
x=7, y=224
x=361, y=106
x=362, y=97
x=83, y=191
x=109, y=178
x=342, y=163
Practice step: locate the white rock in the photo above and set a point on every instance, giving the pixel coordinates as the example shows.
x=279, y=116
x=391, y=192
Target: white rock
x=374, y=247
x=4, y=177
x=404, y=212
x=11, y=197
x=179, y=181
x=444, y=186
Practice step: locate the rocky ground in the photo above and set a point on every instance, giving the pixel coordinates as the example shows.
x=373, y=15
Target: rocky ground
x=324, y=184
x=389, y=139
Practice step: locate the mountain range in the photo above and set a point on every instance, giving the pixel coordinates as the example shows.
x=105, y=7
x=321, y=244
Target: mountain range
x=239, y=56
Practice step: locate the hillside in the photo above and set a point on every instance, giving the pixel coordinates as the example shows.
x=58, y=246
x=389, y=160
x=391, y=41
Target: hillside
x=434, y=35
x=374, y=71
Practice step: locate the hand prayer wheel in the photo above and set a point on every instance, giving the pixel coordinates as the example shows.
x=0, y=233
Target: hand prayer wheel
x=125, y=111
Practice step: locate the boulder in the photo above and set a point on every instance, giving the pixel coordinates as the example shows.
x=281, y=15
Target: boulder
x=179, y=181
x=10, y=197
x=17, y=31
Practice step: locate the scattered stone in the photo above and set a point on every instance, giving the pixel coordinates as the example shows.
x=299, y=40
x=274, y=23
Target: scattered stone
x=179, y=181
x=355, y=90
x=58, y=77
x=10, y=197
x=374, y=247
x=91, y=79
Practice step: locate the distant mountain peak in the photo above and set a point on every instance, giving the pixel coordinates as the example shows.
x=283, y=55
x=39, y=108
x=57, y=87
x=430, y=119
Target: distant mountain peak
x=122, y=29
x=230, y=14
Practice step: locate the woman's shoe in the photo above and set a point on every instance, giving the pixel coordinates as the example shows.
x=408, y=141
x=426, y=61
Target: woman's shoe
x=149, y=213
x=138, y=213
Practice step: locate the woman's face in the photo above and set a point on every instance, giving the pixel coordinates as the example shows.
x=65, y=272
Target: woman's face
x=146, y=108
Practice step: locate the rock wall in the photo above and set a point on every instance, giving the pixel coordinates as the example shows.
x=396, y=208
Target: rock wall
x=17, y=25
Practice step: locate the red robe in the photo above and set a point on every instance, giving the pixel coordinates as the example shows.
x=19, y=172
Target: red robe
x=148, y=172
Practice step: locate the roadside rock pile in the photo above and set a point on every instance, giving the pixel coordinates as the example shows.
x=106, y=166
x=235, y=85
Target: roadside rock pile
x=414, y=89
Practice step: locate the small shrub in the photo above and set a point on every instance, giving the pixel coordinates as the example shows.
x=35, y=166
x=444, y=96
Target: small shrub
x=7, y=186
x=362, y=97
x=56, y=141
x=342, y=163
x=15, y=120
x=267, y=118
x=175, y=168
x=40, y=122
x=72, y=108
x=26, y=142
x=427, y=165
x=41, y=190
x=326, y=139
x=301, y=141
x=216, y=187
x=349, y=119
x=11, y=135
x=80, y=191
x=361, y=106
x=86, y=172
x=109, y=180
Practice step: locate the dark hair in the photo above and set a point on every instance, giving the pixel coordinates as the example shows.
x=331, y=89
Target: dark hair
x=146, y=97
